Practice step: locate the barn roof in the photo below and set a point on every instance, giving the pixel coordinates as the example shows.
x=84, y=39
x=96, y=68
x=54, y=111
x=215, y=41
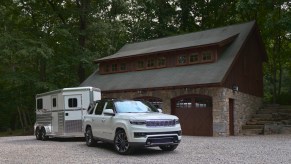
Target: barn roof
x=200, y=74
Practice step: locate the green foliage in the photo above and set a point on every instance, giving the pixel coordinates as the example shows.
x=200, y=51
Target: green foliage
x=46, y=45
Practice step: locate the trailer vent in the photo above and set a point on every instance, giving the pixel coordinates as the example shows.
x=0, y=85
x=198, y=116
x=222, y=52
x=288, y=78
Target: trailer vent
x=73, y=126
x=44, y=118
x=61, y=118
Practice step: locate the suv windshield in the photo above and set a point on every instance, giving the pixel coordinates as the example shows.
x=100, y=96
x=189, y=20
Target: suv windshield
x=131, y=106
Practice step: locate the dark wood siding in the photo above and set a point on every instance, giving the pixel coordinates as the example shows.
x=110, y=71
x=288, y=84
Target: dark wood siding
x=170, y=59
x=247, y=70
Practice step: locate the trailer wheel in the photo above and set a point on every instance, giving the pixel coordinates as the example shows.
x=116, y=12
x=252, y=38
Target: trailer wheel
x=43, y=136
x=37, y=134
x=90, y=141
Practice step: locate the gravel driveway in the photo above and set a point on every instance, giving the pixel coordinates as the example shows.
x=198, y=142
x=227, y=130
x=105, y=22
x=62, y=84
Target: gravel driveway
x=238, y=149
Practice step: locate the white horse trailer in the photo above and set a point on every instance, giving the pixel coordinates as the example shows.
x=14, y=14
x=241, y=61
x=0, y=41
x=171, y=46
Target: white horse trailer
x=60, y=113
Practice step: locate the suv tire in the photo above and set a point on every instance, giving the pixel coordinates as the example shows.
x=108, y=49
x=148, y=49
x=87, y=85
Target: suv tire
x=90, y=141
x=121, y=144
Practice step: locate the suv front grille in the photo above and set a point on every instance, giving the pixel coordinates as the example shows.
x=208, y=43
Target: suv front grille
x=156, y=123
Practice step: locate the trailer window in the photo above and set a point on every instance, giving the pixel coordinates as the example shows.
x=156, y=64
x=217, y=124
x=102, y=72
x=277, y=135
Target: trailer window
x=73, y=102
x=39, y=104
x=54, y=102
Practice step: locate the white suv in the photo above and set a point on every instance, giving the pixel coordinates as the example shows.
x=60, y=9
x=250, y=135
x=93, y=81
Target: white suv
x=131, y=124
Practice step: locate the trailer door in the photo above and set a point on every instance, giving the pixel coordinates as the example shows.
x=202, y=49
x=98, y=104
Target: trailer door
x=73, y=113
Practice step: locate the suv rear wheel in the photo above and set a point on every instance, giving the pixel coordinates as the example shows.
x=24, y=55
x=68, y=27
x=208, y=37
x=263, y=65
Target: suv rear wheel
x=121, y=144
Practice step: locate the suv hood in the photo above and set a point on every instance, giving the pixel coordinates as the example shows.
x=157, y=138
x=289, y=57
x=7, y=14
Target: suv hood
x=149, y=116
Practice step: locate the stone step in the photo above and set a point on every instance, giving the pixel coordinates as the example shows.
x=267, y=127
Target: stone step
x=262, y=116
x=267, y=111
x=276, y=107
x=264, y=119
x=256, y=122
x=252, y=127
x=268, y=119
x=251, y=132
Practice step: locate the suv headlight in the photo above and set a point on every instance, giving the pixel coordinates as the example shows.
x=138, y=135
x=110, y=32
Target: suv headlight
x=177, y=121
x=137, y=122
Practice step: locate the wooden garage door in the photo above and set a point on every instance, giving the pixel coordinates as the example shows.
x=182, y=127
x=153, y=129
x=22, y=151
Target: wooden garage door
x=195, y=114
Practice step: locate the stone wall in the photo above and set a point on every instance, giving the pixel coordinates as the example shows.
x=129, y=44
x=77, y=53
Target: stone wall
x=244, y=105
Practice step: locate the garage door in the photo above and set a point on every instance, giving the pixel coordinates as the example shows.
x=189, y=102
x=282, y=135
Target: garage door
x=195, y=114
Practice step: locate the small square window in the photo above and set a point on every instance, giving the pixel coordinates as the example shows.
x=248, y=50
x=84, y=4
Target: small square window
x=182, y=59
x=122, y=66
x=207, y=56
x=194, y=58
x=151, y=63
x=114, y=67
x=140, y=64
x=161, y=61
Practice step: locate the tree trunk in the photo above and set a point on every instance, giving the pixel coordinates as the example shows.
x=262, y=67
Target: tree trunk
x=83, y=6
x=20, y=117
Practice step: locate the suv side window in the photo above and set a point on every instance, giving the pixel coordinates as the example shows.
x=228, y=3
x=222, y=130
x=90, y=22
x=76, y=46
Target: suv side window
x=110, y=105
x=99, y=108
x=91, y=108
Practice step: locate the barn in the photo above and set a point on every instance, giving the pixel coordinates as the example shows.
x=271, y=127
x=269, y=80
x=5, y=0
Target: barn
x=212, y=80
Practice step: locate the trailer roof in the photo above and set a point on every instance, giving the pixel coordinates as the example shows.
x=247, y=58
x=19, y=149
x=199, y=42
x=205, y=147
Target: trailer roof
x=68, y=89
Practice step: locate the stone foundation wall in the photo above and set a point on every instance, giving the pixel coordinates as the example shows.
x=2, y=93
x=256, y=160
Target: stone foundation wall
x=244, y=105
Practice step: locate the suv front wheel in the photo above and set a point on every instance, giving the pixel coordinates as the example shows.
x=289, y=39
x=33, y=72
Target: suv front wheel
x=90, y=141
x=121, y=143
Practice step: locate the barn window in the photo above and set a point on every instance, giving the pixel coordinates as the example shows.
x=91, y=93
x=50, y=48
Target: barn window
x=201, y=102
x=184, y=103
x=151, y=63
x=206, y=56
x=194, y=102
x=161, y=61
x=194, y=58
x=182, y=59
x=73, y=102
x=122, y=66
x=140, y=64
x=114, y=67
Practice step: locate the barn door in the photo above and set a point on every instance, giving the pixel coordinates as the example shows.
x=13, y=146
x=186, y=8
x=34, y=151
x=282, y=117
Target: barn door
x=195, y=114
x=231, y=119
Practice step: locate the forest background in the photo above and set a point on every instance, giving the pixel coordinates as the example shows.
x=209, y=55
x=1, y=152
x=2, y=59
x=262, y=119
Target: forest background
x=50, y=44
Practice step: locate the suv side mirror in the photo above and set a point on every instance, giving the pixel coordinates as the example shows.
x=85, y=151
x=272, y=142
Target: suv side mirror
x=160, y=110
x=109, y=112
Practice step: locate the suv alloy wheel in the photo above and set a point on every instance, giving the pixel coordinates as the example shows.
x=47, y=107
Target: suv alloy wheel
x=121, y=143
